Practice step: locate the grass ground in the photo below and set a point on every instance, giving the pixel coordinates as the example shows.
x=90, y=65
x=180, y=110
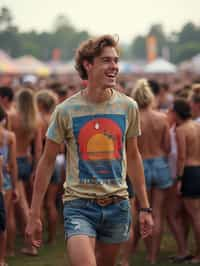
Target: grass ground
x=55, y=255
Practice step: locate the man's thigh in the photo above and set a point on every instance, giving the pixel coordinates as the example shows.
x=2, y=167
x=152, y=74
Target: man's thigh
x=106, y=254
x=81, y=250
x=115, y=223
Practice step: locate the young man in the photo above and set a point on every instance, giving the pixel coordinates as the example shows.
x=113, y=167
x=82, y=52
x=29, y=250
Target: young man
x=100, y=127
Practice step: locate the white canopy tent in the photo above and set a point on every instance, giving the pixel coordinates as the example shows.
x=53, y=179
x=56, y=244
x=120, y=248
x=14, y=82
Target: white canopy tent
x=160, y=66
x=7, y=64
x=195, y=63
x=59, y=67
x=30, y=65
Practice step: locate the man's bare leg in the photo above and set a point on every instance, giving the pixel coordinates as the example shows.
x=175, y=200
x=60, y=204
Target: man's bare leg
x=81, y=251
x=106, y=254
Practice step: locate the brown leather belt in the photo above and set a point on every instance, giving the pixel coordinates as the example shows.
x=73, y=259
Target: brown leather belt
x=107, y=201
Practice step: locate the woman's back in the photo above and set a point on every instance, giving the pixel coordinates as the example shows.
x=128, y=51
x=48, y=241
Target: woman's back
x=24, y=137
x=190, y=132
x=154, y=141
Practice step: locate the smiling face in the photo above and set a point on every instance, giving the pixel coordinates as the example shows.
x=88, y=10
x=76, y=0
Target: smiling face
x=103, y=71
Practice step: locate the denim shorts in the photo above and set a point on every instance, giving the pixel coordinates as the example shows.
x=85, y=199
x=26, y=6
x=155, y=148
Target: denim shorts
x=7, y=183
x=2, y=214
x=157, y=173
x=24, y=168
x=109, y=224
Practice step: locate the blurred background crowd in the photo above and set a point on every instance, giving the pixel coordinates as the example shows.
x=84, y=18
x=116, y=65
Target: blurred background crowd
x=37, y=72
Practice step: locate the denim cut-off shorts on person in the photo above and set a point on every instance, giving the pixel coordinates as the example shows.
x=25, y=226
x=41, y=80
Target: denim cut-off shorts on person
x=24, y=168
x=109, y=224
x=157, y=173
x=7, y=183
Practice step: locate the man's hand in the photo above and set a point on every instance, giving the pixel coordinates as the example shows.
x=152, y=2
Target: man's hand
x=33, y=232
x=146, y=224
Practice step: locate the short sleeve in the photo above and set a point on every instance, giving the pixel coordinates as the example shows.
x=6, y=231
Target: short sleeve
x=133, y=128
x=58, y=126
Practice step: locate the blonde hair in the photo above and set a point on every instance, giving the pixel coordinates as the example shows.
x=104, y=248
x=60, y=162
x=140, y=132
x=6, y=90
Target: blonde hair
x=47, y=100
x=142, y=93
x=27, y=108
x=195, y=97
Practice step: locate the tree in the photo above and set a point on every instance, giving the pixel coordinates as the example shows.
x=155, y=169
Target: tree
x=5, y=18
x=138, y=47
x=158, y=32
x=189, y=33
x=186, y=51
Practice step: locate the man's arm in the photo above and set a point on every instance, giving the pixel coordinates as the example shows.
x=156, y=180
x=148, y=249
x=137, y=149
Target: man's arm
x=136, y=172
x=43, y=174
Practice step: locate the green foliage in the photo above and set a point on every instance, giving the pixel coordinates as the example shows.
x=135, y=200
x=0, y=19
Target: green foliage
x=138, y=47
x=5, y=18
x=187, y=50
x=189, y=33
x=65, y=37
x=182, y=45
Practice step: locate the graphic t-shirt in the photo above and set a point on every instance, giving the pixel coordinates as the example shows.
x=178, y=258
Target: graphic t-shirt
x=95, y=136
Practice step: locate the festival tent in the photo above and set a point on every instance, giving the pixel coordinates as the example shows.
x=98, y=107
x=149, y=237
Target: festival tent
x=127, y=67
x=195, y=63
x=59, y=67
x=160, y=66
x=7, y=65
x=30, y=65
x=191, y=65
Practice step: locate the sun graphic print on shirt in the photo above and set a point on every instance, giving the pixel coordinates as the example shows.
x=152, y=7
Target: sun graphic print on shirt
x=100, y=143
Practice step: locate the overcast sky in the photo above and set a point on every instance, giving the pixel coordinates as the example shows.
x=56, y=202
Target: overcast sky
x=127, y=18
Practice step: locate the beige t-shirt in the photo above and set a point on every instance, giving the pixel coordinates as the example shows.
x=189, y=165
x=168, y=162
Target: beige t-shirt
x=95, y=135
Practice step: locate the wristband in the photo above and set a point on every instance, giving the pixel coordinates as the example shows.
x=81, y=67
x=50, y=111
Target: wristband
x=148, y=210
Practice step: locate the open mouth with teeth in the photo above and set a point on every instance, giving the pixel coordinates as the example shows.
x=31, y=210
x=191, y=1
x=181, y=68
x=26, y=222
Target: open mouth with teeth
x=111, y=76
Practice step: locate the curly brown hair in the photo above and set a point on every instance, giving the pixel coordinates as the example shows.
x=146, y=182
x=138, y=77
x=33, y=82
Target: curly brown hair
x=92, y=48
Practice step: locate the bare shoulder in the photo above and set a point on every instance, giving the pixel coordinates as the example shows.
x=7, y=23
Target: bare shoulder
x=160, y=117
x=159, y=114
x=10, y=136
x=13, y=116
x=180, y=129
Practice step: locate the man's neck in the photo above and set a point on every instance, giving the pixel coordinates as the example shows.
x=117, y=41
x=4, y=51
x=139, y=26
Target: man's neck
x=97, y=95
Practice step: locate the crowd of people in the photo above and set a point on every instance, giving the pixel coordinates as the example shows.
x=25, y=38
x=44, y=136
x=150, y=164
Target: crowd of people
x=35, y=123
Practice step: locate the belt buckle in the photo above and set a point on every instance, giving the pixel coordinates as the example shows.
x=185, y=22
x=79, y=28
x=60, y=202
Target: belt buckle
x=104, y=202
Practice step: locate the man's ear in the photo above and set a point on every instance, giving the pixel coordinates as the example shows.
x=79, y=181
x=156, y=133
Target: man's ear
x=87, y=65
